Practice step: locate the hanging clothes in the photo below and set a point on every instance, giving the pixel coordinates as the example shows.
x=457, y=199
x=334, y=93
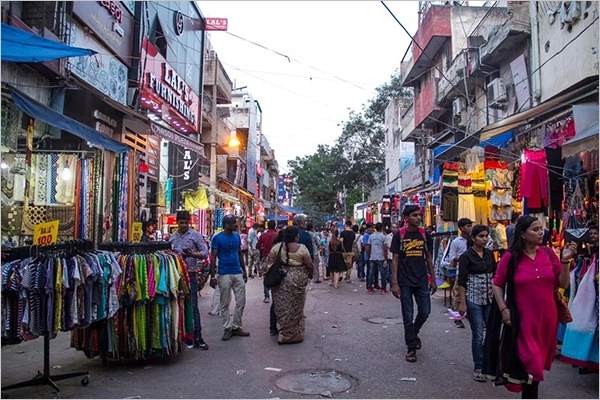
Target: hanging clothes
x=156, y=314
x=580, y=342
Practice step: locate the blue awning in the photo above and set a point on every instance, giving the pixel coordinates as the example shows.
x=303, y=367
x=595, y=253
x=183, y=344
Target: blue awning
x=498, y=141
x=21, y=46
x=279, y=217
x=51, y=117
x=289, y=209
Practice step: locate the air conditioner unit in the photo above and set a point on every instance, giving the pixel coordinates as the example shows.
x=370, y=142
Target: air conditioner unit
x=458, y=106
x=496, y=93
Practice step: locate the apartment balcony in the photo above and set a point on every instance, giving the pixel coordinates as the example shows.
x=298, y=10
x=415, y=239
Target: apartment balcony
x=433, y=32
x=426, y=108
x=457, y=77
x=407, y=122
x=502, y=41
x=214, y=73
x=265, y=148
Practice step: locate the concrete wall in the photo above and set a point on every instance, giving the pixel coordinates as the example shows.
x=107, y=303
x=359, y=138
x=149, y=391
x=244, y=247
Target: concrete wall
x=577, y=61
x=465, y=19
x=36, y=86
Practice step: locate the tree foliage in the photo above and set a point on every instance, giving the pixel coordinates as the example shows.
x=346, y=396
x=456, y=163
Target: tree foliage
x=356, y=161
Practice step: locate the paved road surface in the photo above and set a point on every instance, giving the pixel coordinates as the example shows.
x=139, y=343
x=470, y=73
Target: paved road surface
x=369, y=355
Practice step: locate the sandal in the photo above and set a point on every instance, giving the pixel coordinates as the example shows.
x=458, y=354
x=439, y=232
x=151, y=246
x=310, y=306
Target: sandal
x=411, y=356
x=419, y=344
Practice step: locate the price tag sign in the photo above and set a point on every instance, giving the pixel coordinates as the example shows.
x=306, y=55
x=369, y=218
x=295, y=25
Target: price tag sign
x=46, y=233
x=136, y=232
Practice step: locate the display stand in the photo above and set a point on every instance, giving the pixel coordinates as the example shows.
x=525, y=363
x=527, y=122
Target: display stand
x=44, y=378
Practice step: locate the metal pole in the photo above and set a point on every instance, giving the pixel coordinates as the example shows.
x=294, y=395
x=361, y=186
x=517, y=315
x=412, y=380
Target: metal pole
x=213, y=141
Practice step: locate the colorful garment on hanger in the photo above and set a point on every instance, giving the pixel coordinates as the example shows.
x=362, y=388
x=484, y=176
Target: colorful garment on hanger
x=534, y=183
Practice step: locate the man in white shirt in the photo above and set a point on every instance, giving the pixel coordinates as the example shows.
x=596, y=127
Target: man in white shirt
x=457, y=248
x=390, y=255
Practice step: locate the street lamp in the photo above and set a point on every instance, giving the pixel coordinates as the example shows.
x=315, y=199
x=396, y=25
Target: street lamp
x=233, y=140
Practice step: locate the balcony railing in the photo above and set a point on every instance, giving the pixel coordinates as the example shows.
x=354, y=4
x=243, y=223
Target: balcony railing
x=426, y=105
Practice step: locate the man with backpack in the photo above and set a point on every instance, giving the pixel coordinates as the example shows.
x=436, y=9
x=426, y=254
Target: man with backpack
x=412, y=261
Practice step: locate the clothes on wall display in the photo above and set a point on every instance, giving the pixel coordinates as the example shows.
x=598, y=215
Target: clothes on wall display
x=498, y=181
x=450, y=204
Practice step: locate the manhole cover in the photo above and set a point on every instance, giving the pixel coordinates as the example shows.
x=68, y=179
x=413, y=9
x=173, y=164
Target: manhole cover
x=386, y=321
x=315, y=382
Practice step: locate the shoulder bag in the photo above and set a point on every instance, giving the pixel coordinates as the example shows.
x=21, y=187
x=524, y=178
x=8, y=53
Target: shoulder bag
x=275, y=274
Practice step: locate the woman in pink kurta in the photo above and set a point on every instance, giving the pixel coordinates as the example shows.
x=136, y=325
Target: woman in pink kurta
x=538, y=271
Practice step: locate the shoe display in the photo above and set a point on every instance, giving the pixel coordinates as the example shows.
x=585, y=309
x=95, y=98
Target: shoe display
x=200, y=344
x=227, y=334
x=266, y=300
x=239, y=332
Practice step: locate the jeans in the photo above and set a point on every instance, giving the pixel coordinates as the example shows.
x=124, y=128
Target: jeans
x=361, y=266
x=376, y=265
x=266, y=291
x=227, y=284
x=326, y=262
x=389, y=274
x=477, y=316
x=195, y=310
x=412, y=328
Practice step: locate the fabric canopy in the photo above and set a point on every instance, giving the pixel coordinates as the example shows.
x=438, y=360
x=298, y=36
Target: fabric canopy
x=196, y=200
x=21, y=46
x=51, y=117
x=498, y=141
x=279, y=217
x=586, y=126
x=289, y=209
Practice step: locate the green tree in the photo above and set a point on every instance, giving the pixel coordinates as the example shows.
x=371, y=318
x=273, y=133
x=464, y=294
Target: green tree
x=356, y=160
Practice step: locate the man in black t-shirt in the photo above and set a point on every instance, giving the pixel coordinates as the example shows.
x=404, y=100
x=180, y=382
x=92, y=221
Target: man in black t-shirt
x=347, y=236
x=412, y=260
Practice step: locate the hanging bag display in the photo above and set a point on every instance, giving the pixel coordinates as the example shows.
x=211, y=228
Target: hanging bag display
x=275, y=274
x=575, y=232
x=564, y=315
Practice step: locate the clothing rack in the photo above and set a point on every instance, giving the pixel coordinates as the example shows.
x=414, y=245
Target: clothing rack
x=441, y=234
x=45, y=378
x=135, y=247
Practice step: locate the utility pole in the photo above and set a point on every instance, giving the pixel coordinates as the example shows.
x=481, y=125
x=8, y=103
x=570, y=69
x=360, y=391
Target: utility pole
x=213, y=140
x=344, y=197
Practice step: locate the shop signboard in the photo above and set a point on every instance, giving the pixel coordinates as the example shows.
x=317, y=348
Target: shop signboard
x=184, y=167
x=102, y=70
x=136, y=232
x=111, y=22
x=215, y=24
x=153, y=153
x=45, y=233
x=176, y=138
x=165, y=94
x=280, y=188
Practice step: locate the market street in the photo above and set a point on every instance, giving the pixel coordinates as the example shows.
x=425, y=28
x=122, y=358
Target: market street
x=338, y=337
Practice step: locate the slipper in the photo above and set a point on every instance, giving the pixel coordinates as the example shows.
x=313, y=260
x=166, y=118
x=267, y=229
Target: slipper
x=419, y=344
x=411, y=356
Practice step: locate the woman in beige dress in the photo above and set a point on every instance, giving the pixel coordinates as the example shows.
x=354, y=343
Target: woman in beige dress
x=289, y=296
